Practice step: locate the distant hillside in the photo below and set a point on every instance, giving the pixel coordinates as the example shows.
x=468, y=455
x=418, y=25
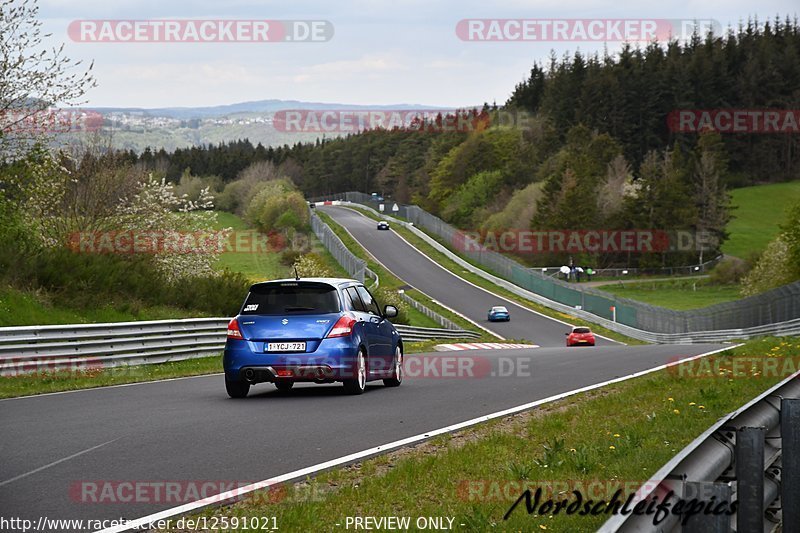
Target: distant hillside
x=257, y=106
x=135, y=128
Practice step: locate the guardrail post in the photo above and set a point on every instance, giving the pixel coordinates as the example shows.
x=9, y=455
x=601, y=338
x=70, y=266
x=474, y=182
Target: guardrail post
x=708, y=523
x=790, y=461
x=750, y=479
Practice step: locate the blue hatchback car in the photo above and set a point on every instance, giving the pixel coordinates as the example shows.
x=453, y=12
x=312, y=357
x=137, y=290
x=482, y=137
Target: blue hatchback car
x=319, y=330
x=498, y=313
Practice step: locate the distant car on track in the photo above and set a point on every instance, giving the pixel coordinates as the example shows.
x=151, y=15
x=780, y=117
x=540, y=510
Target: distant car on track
x=580, y=336
x=499, y=313
x=319, y=330
x=383, y=225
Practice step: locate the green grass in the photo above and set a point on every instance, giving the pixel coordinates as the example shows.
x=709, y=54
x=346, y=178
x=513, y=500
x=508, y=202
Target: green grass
x=64, y=380
x=572, y=441
x=676, y=294
x=229, y=220
x=255, y=264
x=759, y=211
x=25, y=308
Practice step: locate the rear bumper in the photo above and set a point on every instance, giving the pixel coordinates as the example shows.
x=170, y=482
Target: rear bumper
x=333, y=360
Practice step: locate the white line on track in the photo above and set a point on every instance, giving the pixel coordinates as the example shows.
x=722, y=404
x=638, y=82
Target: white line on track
x=303, y=472
x=54, y=463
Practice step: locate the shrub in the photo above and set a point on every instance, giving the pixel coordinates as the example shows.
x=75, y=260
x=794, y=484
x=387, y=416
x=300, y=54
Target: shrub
x=729, y=272
x=389, y=297
x=770, y=271
x=290, y=257
x=311, y=266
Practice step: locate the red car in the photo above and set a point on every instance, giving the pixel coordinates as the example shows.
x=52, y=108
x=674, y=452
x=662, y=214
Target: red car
x=580, y=336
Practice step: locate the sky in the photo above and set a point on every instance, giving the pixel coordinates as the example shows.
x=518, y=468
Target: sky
x=381, y=52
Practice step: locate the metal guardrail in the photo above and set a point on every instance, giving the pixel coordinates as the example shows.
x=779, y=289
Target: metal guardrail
x=416, y=334
x=751, y=456
x=785, y=328
x=353, y=265
x=775, y=306
x=27, y=349
x=430, y=313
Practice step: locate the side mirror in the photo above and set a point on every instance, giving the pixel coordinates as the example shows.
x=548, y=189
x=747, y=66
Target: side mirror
x=567, y=333
x=389, y=311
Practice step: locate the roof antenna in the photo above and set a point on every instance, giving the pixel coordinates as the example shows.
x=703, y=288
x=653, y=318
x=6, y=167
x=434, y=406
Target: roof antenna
x=296, y=275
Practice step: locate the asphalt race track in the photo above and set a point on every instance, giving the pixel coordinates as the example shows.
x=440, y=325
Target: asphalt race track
x=57, y=448
x=417, y=270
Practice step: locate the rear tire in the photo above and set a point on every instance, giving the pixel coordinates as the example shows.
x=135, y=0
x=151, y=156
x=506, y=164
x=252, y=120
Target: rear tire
x=357, y=385
x=237, y=389
x=284, y=386
x=397, y=370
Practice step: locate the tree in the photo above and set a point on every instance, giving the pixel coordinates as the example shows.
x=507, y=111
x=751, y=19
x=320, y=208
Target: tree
x=32, y=79
x=612, y=192
x=791, y=235
x=711, y=199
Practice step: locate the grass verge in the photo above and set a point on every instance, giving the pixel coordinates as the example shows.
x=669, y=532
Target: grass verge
x=675, y=294
x=475, y=475
x=256, y=266
x=29, y=308
x=65, y=380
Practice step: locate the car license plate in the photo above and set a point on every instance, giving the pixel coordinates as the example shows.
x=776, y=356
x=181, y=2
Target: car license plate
x=286, y=346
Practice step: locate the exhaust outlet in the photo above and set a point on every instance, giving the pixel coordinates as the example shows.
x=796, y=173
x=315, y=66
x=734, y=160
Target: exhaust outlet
x=250, y=375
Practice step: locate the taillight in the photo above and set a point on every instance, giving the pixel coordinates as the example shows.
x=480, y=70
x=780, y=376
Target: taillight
x=233, y=330
x=343, y=327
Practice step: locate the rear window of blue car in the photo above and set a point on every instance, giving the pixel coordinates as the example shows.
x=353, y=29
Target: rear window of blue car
x=291, y=297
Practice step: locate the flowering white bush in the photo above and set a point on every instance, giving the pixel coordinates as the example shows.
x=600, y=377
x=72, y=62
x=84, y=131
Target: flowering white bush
x=771, y=270
x=39, y=184
x=189, y=244
x=309, y=266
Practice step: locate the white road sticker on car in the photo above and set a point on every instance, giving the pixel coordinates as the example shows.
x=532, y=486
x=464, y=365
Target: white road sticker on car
x=251, y=307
